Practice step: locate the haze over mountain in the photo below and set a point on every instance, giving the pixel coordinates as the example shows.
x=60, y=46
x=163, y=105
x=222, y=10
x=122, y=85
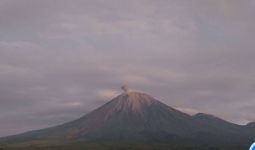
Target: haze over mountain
x=195, y=54
x=138, y=117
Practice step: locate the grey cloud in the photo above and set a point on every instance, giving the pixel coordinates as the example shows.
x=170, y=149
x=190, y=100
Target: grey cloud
x=61, y=59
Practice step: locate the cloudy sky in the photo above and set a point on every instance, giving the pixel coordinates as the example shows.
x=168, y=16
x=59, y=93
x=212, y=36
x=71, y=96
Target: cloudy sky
x=60, y=59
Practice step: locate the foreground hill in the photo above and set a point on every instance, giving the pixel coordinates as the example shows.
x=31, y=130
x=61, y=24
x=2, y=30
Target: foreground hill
x=137, y=121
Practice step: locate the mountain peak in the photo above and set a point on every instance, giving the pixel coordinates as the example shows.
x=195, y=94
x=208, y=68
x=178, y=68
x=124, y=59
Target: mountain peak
x=135, y=101
x=136, y=116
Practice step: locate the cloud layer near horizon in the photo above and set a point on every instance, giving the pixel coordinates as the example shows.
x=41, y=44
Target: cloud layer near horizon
x=60, y=59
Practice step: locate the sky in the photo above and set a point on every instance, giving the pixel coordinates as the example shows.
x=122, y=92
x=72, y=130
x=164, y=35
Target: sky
x=60, y=59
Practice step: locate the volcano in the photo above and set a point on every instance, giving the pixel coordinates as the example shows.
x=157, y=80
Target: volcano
x=138, y=117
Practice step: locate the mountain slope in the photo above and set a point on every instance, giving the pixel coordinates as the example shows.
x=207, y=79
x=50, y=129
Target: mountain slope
x=130, y=115
x=134, y=116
